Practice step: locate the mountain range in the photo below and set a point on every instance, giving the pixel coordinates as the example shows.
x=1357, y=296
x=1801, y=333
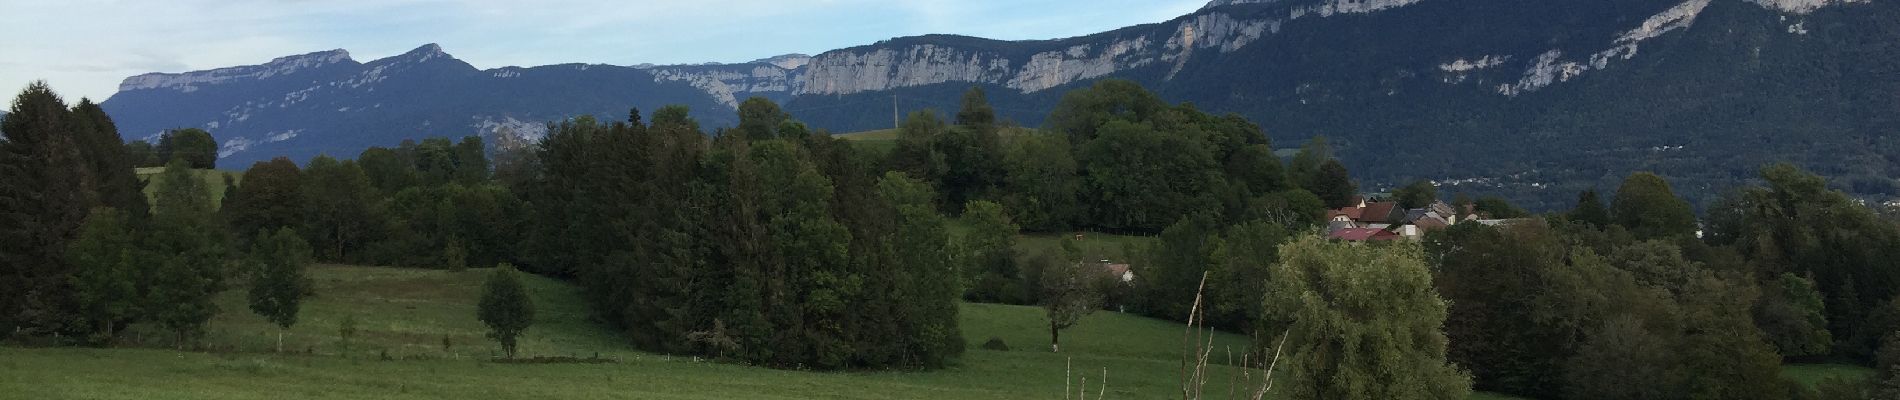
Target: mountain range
x=1531, y=100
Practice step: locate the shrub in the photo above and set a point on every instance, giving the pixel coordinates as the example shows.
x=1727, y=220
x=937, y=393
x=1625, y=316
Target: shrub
x=996, y=344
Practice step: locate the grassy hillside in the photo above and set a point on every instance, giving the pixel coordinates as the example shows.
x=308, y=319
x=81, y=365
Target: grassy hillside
x=214, y=179
x=407, y=313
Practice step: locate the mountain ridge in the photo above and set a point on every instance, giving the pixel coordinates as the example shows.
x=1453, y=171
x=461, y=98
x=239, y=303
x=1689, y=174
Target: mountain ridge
x=1300, y=68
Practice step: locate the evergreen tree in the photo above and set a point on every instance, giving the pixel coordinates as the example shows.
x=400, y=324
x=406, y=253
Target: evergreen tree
x=109, y=166
x=278, y=283
x=108, y=268
x=505, y=307
x=44, y=199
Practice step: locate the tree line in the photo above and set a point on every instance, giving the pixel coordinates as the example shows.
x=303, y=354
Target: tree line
x=1635, y=299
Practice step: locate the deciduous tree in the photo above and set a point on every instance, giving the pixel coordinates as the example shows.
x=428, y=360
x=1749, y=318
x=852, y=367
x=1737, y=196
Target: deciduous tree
x=505, y=307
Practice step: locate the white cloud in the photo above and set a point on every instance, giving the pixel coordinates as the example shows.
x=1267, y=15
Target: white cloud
x=85, y=47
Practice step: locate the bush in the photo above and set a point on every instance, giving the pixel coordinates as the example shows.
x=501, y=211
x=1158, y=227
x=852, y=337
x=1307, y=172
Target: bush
x=996, y=344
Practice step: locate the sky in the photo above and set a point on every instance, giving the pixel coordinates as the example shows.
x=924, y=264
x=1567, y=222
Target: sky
x=84, y=48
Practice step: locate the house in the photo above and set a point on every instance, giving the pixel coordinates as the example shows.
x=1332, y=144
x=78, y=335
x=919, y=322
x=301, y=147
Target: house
x=1364, y=235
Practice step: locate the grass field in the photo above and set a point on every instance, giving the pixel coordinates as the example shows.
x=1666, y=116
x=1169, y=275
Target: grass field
x=883, y=140
x=214, y=179
x=1811, y=374
x=408, y=312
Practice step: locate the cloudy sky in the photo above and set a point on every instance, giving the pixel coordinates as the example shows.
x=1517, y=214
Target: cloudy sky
x=85, y=47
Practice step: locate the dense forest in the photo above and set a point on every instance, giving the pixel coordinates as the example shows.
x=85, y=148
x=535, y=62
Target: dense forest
x=776, y=245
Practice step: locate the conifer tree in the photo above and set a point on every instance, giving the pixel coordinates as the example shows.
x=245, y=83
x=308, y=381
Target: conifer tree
x=44, y=198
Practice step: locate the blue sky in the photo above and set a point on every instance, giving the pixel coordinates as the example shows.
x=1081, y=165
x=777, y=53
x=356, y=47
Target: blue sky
x=85, y=47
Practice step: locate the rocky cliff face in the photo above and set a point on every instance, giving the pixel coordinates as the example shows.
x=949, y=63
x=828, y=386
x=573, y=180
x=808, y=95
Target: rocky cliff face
x=1360, y=71
x=730, y=84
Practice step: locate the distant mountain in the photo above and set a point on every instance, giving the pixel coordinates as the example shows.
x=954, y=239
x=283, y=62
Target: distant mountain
x=1534, y=100
x=327, y=103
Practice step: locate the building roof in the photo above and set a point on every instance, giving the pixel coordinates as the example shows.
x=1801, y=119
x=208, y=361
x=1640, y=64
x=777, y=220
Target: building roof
x=1352, y=213
x=1363, y=234
x=1377, y=212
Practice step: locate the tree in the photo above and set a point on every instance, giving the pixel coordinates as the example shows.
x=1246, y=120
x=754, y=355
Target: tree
x=1170, y=268
x=990, y=241
x=1647, y=207
x=188, y=243
x=387, y=170
x=1070, y=290
x=106, y=279
x=341, y=211
x=505, y=307
x=278, y=283
x=1333, y=184
x=926, y=277
x=1417, y=195
x=142, y=154
x=109, y=167
x=1304, y=168
x=1590, y=210
x=912, y=154
x=269, y=199
x=1624, y=360
x=976, y=114
x=193, y=145
x=44, y=199
x=1242, y=260
x=1793, y=317
x=1364, y=324
x=1082, y=113
x=1497, y=208
x=758, y=118
x=1140, y=179
x=471, y=161
x=1041, y=185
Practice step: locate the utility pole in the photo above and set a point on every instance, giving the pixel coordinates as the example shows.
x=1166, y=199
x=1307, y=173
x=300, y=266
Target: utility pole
x=894, y=121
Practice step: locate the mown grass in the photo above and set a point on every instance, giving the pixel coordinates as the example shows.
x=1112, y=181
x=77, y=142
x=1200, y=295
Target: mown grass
x=1094, y=246
x=407, y=312
x=213, y=178
x=1813, y=374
